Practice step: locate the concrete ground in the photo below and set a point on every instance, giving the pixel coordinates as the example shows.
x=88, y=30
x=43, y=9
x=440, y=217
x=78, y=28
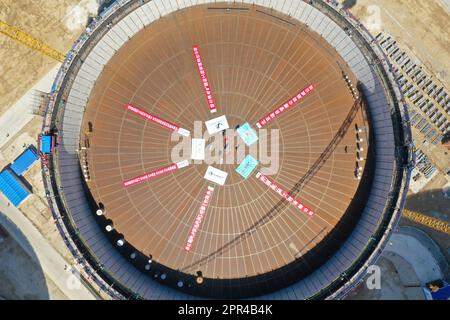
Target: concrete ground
x=392, y=285
x=19, y=114
x=431, y=201
x=21, y=277
x=410, y=260
x=43, y=253
x=419, y=251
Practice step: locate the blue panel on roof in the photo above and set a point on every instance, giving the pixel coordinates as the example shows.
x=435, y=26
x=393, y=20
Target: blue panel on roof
x=46, y=144
x=12, y=187
x=24, y=161
x=442, y=293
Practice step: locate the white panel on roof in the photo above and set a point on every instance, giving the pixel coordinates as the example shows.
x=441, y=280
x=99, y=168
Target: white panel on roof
x=172, y=5
x=80, y=97
x=305, y=13
x=136, y=17
x=331, y=37
x=148, y=11
x=259, y=2
x=181, y=4
x=143, y=16
x=128, y=23
x=288, y=7
x=80, y=87
x=119, y=35
x=320, y=26
x=88, y=74
x=161, y=7
x=93, y=65
x=84, y=84
x=340, y=35
x=311, y=17
x=154, y=9
x=108, y=49
x=98, y=56
x=125, y=28
x=277, y=4
x=299, y=10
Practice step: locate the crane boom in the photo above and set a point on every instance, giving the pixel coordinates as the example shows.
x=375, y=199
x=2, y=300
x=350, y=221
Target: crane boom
x=22, y=37
x=430, y=222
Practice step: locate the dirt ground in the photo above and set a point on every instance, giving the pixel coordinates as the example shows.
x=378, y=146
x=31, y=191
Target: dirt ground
x=56, y=23
x=35, y=208
x=18, y=143
x=423, y=27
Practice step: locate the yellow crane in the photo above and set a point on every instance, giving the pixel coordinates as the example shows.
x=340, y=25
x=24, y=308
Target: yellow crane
x=433, y=223
x=22, y=37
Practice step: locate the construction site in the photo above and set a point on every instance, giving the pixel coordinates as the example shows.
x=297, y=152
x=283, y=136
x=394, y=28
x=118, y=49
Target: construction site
x=97, y=201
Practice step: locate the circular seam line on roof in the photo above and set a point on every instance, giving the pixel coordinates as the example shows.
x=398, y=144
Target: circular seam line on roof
x=376, y=100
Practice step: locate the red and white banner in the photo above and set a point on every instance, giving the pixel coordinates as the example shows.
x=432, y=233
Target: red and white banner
x=156, y=173
x=155, y=119
x=272, y=185
x=204, y=78
x=282, y=108
x=199, y=218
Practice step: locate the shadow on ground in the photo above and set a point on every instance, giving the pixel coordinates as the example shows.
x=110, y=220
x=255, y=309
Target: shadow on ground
x=394, y=286
x=434, y=204
x=410, y=260
x=399, y=279
x=431, y=202
x=348, y=4
x=21, y=276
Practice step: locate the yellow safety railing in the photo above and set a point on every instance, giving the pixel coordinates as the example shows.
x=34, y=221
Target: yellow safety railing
x=22, y=37
x=433, y=223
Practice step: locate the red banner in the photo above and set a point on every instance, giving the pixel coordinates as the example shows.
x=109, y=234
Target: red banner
x=282, y=108
x=155, y=119
x=272, y=185
x=199, y=218
x=204, y=78
x=154, y=174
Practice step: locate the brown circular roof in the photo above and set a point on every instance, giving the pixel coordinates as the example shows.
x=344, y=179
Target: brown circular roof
x=254, y=63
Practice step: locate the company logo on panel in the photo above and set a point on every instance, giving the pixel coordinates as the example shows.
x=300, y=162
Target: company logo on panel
x=215, y=175
x=217, y=124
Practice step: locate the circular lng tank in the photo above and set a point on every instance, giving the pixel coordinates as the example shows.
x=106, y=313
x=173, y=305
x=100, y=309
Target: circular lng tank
x=226, y=150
